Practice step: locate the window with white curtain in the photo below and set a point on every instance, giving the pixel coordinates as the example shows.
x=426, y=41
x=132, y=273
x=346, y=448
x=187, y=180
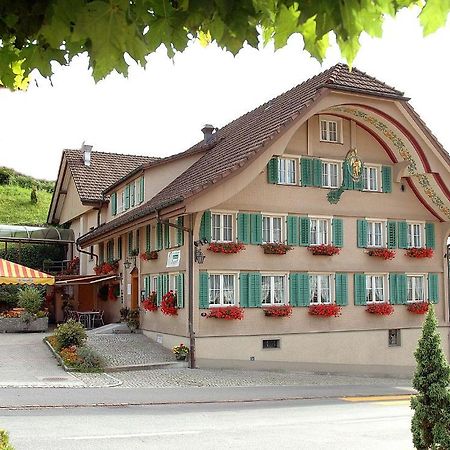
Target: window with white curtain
x=375, y=288
x=286, y=171
x=375, y=233
x=416, y=288
x=222, y=227
x=329, y=131
x=371, y=178
x=415, y=235
x=272, y=229
x=319, y=231
x=320, y=289
x=273, y=289
x=222, y=290
x=330, y=174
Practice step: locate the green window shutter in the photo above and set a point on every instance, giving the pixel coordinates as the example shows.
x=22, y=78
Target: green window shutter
x=347, y=181
x=205, y=226
x=304, y=231
x=244, y=289
x=180, y=233
x=254, y=290
x=148, y=231
x=397, y=288
x=359, y=185
x=146, y=286
x=256, y=228
x=386, y=178
x=433, y=288
x=317, y=172
x=114, y=203
x=306, y=166
x=165, y=279
x=338, y=232
x=243, y=228
x=361, y=229
x=159, y=236
x=341, y=289
x=130, y=242
x=119, y=248
x=391, y=234
x=141, y=189
x=159, y=290
x=132, y=194
x=292, y=230
x=166, y=235
x=430, y=240
x=127, y=196
x=393, y=293
x=303, y=289
x=402, y=235
x=180, y=290
x=272, y=171
x=203, y=290
x=359, y=288
x=294, y=289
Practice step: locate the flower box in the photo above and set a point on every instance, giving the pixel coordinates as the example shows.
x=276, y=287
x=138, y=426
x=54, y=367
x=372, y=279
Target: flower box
x=18, y=325
x=325, y=310
x=149, y=303
x=384, y=253
x=278, y=311
x=418, y=307
x=276, y=248
x=324, y=250
x=107, y=267
x=149, y=255
x=382, y=309
x=419, y=252
x=181, y=352
x=169, y=304
x=226, y=247
x=227, y=313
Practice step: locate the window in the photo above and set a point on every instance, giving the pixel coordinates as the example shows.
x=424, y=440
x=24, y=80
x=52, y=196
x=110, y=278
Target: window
x=375, y=288
x=222, y=227
x=330, y=174
x=270, y=343
x=273, y=289
x=222, y=290
x=416, y=288
x=173, y=282
x=371, y=178
x=110, y=250
x=154, y=283
x=119, y=248
x=286, y=171
x=329, y=131
x=101, y=252
x=138, y=240
x=415, y=235
x=394, y=338
x=130, y=242
x=319, y=231
x=375, y=234
x=272, y=229
x=319, y=289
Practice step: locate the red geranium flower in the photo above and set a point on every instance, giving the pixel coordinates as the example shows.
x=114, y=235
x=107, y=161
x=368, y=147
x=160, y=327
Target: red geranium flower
x=420, y=252
x=227, y=313
x=382, y=309
x=325, y=310
x=324, y=250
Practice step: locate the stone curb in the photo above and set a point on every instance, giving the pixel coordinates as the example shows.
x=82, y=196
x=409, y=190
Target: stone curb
x=58, y=358
x=149, y=366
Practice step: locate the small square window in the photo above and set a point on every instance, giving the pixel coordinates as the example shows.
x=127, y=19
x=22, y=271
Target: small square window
x=271, y=343
x=394, y=338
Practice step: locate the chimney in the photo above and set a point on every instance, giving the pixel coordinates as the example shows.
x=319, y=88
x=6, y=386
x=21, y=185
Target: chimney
x=208, y=131
x=86, y=154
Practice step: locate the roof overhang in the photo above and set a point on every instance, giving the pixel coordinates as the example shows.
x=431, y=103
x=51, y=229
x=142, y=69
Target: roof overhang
x=68, y=280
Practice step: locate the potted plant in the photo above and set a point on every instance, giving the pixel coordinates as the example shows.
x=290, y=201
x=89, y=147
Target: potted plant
x=384, y=253
x=105, y=268
x=227, y=313
x=149, y=303
x=180, y=352
x=325, y=310
x=324, y=250
x=421, y=252
x=382, y=308
x=149, y=255
x=124, y=313
x=276, y=248
x=169, y=304
x=226, y=247
x=278, y=311
x=418, y=307
x=133, y=319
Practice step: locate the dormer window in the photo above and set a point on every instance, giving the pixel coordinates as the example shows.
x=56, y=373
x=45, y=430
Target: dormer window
x=330, y=130
x=128, y=197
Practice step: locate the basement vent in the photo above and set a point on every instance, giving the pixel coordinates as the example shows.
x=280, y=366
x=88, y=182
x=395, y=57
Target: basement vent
x=271, y=343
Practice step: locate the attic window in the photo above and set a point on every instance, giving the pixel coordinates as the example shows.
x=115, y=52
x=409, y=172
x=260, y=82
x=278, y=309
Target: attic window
x=330, y=130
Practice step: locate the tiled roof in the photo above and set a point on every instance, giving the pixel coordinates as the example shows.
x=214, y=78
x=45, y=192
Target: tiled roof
x=105, y=169
x=233, y=145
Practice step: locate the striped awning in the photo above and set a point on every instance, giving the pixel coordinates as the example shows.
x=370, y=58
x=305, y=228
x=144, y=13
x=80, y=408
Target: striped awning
x=12, y=273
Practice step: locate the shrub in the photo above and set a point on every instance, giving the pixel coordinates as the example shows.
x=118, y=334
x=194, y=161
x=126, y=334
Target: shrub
x=4, y=441
x=33, y=255
x=89, y=359
x=5, y=175
x=70, y=333
x=8, y=295
x=30, y=299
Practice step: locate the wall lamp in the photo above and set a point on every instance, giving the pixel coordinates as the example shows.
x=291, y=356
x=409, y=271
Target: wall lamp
x=199, y=256
x=129, y=261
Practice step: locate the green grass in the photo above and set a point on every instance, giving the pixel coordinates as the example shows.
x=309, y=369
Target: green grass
x=16, y=207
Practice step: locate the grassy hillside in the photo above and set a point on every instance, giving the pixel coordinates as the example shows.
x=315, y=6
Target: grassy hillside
x=16, y=207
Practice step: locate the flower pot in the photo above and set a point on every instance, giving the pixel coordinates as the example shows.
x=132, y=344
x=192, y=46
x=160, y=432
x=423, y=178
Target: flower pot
x=180, y=357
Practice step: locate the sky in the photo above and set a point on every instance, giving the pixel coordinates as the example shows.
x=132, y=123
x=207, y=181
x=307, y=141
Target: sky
x=159, y=110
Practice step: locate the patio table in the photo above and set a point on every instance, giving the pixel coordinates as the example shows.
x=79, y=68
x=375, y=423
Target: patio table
x=87, y=318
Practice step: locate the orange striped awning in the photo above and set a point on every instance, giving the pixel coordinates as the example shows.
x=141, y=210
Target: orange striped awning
x=12, y=273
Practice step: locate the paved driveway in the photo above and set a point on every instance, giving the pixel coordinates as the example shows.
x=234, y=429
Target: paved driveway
x=26, y=361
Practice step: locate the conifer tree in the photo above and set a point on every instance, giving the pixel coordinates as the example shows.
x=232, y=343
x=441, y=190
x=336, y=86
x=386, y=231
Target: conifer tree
x=430, y=424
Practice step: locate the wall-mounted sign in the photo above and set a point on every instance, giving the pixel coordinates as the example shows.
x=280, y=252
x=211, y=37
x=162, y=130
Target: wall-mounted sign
x=173, y=258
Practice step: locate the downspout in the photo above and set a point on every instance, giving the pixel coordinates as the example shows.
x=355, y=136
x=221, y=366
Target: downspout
x=86, y=253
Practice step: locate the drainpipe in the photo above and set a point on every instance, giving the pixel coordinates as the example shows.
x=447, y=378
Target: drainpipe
x=86, y=253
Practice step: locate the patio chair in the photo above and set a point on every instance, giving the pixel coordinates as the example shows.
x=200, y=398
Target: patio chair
x=97, y=320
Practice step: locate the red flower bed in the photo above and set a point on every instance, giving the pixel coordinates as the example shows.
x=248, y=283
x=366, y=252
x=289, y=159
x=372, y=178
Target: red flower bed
x=226, y=247
x=278, y=311
x=227, y=313
x=276, y=249
x=169, y=304
x=325, y=310
x=148, y=256
x=382, y=309
x=324, y=250
x=149, y=304
x=73, y=266
x=418, y=307
x=107, y=267
x=384, y=253
x=420, y=252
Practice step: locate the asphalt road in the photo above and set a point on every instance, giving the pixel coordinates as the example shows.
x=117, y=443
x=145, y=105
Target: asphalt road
x=378, y=424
